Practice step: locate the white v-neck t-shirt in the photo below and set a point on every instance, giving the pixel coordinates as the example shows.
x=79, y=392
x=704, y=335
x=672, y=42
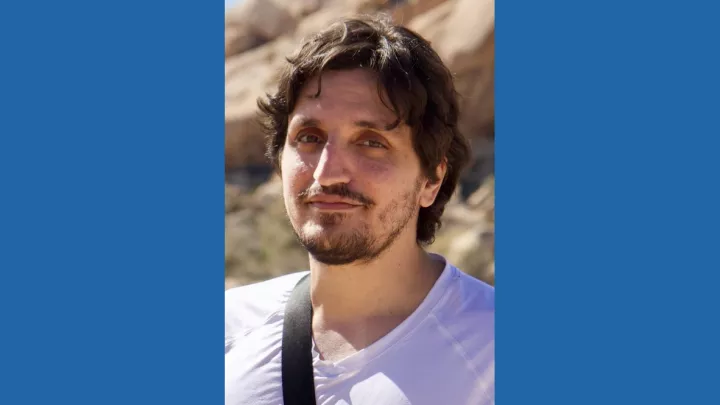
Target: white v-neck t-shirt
x=442, y=354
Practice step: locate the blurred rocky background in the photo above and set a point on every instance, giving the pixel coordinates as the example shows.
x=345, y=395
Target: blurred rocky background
x=259, y=242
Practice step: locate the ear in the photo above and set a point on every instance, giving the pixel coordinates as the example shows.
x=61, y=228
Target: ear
x=430, y=189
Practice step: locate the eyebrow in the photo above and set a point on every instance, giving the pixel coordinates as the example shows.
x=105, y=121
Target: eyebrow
x=375, y=126
x=312, y=122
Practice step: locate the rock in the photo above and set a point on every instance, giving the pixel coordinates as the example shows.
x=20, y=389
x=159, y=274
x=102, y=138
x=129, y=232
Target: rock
x=301, y=8
x=408, y=11
x=319, y=20
x=484, y=197
x=481, y=165
x=270, y=192
x=363, y=6
x=462, y=32
x=467, y=45
x=238, y=39
x=472, y=250
x=477, y=89
x=248, y=177
x=243, y=143
x=430, y=24
x=231, y=282
x=254, y=22
x=468, y=29
x=467, y=236
x=249, y=76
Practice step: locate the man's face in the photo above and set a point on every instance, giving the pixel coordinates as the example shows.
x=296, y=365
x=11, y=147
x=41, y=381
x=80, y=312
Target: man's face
x=351, y=186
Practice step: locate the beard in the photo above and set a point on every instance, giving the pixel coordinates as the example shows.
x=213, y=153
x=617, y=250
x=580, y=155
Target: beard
x=335, y=243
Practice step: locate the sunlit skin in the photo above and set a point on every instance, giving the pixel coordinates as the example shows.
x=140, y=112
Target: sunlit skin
x=353, y=188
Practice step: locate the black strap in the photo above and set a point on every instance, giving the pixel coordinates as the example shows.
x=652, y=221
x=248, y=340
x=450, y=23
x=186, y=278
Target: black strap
x=297, y=369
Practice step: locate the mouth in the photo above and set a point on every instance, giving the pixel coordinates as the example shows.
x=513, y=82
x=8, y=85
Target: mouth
x=333, y=206
x=333, y=203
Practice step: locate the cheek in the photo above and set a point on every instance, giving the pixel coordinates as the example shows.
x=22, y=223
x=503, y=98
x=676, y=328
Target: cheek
x=377, y=172
x=388, y=176
x=295, y=173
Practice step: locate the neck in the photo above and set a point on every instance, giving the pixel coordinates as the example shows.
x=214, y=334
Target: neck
x=393, y=285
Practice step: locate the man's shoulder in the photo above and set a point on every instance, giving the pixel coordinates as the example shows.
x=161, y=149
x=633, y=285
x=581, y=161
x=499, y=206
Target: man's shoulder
x=468, y=310
x=467, y=319
x=475, y=293
x=251, y=305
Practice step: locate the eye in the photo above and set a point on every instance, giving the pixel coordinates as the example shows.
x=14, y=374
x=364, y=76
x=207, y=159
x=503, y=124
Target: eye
x=308, y=137
x=372, y=144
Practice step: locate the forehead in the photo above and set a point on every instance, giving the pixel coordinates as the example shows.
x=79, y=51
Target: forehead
x=350, y=94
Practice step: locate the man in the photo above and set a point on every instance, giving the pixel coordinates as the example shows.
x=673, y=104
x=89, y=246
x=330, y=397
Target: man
x=363, y=132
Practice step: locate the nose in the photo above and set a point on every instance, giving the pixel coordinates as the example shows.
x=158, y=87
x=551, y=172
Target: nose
x=332, y=168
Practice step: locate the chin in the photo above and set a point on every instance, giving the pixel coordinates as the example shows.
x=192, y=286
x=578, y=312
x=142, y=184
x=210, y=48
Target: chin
x=328, y=221
x=335, y=250
x=324, y=234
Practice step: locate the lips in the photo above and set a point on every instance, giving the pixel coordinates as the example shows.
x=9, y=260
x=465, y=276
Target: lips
x=333, y=206
x=333, y=203
x=332, y=200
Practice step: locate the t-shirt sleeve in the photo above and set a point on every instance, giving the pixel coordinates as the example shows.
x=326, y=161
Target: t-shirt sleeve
x=233, y=315
x=250, y=306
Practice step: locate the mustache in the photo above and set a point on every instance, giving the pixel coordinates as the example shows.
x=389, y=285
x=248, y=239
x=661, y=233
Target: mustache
x=340, y=190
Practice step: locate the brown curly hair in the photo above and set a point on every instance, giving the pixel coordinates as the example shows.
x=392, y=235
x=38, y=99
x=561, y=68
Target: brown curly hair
x=417, y=83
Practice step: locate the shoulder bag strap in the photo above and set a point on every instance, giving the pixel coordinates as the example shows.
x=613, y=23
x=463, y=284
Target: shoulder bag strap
x=298, y=383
